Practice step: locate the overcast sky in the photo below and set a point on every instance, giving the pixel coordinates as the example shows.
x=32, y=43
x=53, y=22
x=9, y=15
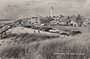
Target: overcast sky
x=27, y=8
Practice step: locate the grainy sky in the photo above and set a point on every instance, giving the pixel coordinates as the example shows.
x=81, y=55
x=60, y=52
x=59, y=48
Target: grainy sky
x=26, y=8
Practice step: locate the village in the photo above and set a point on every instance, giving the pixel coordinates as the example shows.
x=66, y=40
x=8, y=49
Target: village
x=75, y=21
x=50, y=24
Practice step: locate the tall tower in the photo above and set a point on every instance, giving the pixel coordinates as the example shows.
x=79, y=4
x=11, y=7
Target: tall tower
x=52, y=8
x=52, y=11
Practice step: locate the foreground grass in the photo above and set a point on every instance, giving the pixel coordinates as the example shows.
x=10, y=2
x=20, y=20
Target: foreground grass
x=28, y=38
x=46, y=49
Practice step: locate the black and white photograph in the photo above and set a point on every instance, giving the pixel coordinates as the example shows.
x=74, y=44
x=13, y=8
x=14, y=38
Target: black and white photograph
x=44, y=29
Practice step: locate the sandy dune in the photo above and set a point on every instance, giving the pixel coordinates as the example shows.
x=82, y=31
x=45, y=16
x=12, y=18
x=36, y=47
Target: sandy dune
x=19, y=30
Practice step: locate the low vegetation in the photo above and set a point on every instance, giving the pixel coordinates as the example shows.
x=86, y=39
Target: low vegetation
x=19, y=51
x=27, y=38
x=57, y=48
x=13, y=52
x=75, y=48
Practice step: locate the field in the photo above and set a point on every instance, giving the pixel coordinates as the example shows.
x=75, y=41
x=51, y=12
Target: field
x=24, y=43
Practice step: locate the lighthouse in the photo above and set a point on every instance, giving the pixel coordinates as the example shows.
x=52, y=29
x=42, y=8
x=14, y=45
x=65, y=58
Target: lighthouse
x=52, y=8
x=52, y=11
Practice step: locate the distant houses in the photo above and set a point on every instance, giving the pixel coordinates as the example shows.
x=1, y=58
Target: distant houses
x=72, y=21
x=86, y=22
x=63, y=21
x=28, y=21
x=76, y=21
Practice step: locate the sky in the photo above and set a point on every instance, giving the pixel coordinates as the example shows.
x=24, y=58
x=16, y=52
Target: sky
x=27, y=8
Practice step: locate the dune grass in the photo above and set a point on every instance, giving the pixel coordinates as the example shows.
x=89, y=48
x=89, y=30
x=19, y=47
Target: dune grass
x=75, y=48
x=14, y=51
x=50, y=49
x=19, y=51
x=28, y=38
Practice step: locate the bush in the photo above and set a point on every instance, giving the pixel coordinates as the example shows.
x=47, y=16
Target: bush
x=27, y=38
x=11, y=35
x=14, y=51
x=3, y=36
x=47, y=51
x=19, y=51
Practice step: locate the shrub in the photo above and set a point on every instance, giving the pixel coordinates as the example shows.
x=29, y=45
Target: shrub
x=27, y=38
x=19, y=51
x=8, y=36
x=47, y=51
x=15, y=51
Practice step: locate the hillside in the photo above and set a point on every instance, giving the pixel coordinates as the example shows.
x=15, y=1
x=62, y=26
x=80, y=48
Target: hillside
x=46, y=48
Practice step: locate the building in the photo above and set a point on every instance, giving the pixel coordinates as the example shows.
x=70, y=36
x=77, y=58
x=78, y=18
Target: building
x=86, y=22
x=35, y=20
x=54, y=22
x=63, y=21
x=28, y=21
x=72, y=21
